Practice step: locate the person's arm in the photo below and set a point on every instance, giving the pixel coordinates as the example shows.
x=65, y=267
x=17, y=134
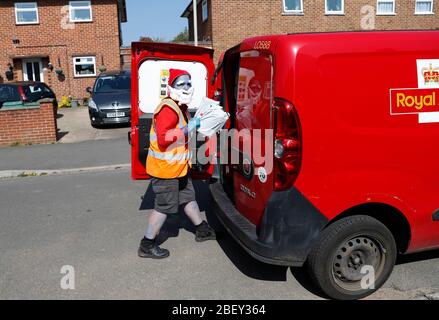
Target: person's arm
x=166, y=121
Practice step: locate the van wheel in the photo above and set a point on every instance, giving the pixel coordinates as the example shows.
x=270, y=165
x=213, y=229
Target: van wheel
x=349, y=255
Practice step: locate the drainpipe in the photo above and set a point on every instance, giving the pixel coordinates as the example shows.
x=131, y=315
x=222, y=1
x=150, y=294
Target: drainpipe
x=194, y=5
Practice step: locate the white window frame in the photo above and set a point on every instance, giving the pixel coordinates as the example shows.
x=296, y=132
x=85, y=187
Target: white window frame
x=334, y=13
x=24, y=69
x=83, y=75
x=424, y=13
x=204, y=14
x=288, y=11
x=71, y=9
x=386, y=13
x=24, y=10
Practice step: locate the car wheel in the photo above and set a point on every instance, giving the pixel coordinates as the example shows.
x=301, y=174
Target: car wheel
x=353, y=258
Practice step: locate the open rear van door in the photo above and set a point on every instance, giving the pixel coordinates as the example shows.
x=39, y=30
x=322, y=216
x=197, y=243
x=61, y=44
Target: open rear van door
x=150, y=72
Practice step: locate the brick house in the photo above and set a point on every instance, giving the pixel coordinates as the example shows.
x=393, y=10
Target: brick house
x=60, y=42
x=227, y=22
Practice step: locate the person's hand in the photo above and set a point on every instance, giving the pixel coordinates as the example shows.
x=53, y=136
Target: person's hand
x=193, y=124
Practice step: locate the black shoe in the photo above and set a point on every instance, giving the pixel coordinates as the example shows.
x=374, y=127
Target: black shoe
x=149, y=249
x=204, y=232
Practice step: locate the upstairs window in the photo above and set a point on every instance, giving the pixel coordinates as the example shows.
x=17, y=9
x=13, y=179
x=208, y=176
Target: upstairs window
x=26, y=13
x=424, y=7
x=293, y=6
x=80, y=11
x=204, y=11
x=84, y=66
x=334, y=6
x=386, y=7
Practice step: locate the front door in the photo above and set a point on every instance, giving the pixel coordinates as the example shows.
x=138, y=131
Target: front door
x=33, y=70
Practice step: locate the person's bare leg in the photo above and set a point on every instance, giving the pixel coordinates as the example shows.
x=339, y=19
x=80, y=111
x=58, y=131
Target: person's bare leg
x=155, y=223
x=193, y=212
x=148, y=246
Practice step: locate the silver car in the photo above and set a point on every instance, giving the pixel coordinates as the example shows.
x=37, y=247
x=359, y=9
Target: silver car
x=110, y=101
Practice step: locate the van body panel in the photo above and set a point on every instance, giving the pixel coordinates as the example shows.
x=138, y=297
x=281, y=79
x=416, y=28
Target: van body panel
x=354, y=150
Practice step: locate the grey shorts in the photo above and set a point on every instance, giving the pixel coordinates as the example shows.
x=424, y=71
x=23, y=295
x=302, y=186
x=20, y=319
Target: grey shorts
x=172, y=193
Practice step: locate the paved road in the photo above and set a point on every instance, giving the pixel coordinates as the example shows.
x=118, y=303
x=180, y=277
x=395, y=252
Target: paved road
x=94, y=222
x=66, y=156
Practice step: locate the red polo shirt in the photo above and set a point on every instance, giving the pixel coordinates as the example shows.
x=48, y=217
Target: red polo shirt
x=166, y=120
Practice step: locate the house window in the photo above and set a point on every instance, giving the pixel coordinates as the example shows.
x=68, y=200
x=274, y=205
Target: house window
x=205, y=10
x=334, y=6
x=84, y=66
x=424, y=7
x=385, y=7
x=26, y=13
x=293, y=6
x=80, y=11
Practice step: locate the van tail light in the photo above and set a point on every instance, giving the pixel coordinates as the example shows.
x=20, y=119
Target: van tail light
x=287, y=145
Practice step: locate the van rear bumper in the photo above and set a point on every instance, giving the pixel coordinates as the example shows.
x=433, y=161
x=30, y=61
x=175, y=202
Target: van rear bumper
x=290, y=226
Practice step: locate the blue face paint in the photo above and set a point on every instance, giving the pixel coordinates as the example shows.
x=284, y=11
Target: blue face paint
x=182, y=83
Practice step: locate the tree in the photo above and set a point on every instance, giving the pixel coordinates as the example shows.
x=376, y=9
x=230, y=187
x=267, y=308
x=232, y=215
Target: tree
x=149, y=39
x=146, y=39
x=182, y=36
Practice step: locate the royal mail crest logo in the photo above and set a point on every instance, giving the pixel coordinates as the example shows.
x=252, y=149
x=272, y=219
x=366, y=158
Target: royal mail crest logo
x=431, y=74
x=428, y=73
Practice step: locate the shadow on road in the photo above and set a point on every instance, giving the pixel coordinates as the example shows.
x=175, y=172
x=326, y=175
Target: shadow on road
x=238, y=256
x=173, y=223
x=416, y=257
x=61, y=134
x=243, y=261
x=112, y=126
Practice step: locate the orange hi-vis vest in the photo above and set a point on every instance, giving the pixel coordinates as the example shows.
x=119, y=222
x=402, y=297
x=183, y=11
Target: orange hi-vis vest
x=174, y=162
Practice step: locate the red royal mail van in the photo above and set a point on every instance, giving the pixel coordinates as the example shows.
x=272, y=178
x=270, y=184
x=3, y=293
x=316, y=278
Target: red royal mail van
x=351, y=179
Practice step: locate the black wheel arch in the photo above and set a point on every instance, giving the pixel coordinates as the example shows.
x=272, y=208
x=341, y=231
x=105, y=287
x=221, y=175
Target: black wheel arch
x=388, y=215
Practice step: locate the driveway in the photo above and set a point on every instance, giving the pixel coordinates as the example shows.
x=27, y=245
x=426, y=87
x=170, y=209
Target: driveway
x=74, y=126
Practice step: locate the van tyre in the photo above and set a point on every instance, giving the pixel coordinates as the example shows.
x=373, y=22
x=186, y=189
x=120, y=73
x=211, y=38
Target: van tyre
x=348, y=254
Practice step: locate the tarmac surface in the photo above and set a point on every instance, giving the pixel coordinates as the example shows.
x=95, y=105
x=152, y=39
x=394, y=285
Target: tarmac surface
x=94, y=221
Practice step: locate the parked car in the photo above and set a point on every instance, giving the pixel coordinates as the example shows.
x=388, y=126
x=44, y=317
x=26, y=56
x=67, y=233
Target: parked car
x=351, y=129
x=110, y=101
x=25, y=92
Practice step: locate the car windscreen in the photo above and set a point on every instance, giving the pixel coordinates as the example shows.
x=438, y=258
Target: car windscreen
x=37, y=91
x=9, y=93
x=107, y=84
